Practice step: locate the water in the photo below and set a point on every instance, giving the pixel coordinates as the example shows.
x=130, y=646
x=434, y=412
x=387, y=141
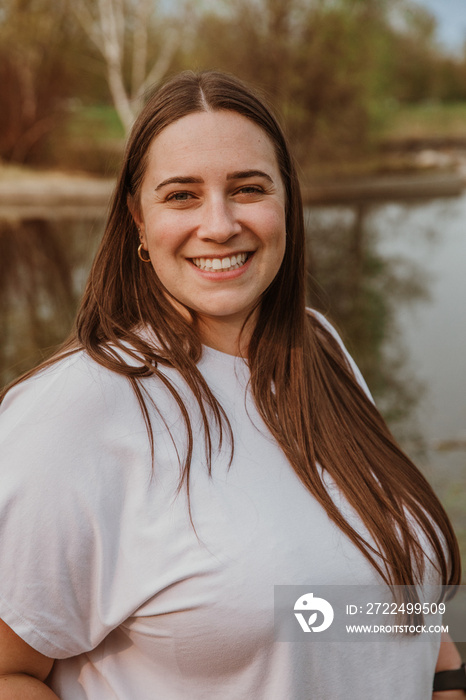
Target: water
x=433, y=236
x=426, y=243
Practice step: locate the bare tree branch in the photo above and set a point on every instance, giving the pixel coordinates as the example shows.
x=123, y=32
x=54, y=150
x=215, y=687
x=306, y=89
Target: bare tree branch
x=111, y=24
x=87, y=22
x=164, y=59
x=140, y=43
x=107, y=23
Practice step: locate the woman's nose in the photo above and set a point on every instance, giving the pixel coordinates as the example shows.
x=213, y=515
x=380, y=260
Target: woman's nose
x=219, y=222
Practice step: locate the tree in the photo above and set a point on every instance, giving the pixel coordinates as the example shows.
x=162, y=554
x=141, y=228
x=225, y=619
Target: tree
x=120, y=30
x=316, y=59
x=34, y=74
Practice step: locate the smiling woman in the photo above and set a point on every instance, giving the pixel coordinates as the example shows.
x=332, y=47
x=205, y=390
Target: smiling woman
x=199, y=439
x=211, y=214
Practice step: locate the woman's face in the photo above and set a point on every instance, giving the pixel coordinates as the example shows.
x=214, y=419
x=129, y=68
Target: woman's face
x=212, y=213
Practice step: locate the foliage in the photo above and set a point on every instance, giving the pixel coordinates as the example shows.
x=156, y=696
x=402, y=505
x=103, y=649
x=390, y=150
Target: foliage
x=335, y=69
x=311, y=58
x=427, y=119
x=419, y=68
x=121, y=31
x=35, y=74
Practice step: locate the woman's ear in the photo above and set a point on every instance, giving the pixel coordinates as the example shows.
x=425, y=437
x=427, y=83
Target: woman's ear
x=135, y=213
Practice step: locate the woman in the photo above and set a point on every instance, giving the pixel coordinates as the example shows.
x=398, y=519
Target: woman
x=162, y=471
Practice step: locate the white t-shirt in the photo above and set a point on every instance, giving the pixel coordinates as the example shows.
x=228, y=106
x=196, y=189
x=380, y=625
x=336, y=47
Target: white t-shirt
x=102, y=569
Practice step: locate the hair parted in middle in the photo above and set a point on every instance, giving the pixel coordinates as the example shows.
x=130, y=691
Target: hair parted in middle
x=186, y=94
x=302, y=384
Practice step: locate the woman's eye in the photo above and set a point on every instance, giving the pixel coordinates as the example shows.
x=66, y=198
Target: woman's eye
x=179, y=197
x=250, y=189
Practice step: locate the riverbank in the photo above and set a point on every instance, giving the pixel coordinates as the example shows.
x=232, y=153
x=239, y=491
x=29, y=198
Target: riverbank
x=29, y=194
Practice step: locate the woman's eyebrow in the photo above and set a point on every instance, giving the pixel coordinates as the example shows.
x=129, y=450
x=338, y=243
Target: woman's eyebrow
x=189, y=179
x=242, y=174
x=180, y=180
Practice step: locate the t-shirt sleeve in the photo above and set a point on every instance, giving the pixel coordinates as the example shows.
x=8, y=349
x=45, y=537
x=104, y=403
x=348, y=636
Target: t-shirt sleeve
x=68, y=448
x=355, y=369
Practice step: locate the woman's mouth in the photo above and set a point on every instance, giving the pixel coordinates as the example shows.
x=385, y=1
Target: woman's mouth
x=226, y=264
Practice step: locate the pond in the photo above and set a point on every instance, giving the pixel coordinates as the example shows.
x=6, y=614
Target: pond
x=423, y=245
x=433, y=235
x=427, y=240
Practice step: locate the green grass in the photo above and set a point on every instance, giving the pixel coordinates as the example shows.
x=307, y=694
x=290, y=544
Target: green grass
x=428, y=119
x=100, y=122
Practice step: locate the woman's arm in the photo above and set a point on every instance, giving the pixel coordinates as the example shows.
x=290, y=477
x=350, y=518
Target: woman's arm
x=448, y=659
x=22, y=669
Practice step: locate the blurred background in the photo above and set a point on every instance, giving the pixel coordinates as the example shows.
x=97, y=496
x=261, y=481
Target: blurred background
x=372, y=94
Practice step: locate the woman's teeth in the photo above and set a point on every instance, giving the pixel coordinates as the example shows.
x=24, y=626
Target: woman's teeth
x=233, y=262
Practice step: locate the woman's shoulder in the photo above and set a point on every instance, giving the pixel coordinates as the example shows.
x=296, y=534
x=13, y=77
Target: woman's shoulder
x=323, y=322
x=326, y=325
x=74, y=370
x=74, y=384
x=71, y=422
x=77, y=390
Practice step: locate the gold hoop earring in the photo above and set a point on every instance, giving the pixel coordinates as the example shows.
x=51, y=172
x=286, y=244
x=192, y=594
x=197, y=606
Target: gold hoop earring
x=140, y=254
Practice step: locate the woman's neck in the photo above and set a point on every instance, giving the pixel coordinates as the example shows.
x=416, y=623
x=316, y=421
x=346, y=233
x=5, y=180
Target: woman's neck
x=225, y=335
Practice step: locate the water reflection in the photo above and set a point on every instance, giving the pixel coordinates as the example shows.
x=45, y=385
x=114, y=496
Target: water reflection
x=361, y=290
x=43, y=265
x=405, y=323
x=434, y=235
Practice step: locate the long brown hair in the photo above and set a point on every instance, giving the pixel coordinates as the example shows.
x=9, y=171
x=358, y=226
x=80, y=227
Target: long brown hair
x=302, y=384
